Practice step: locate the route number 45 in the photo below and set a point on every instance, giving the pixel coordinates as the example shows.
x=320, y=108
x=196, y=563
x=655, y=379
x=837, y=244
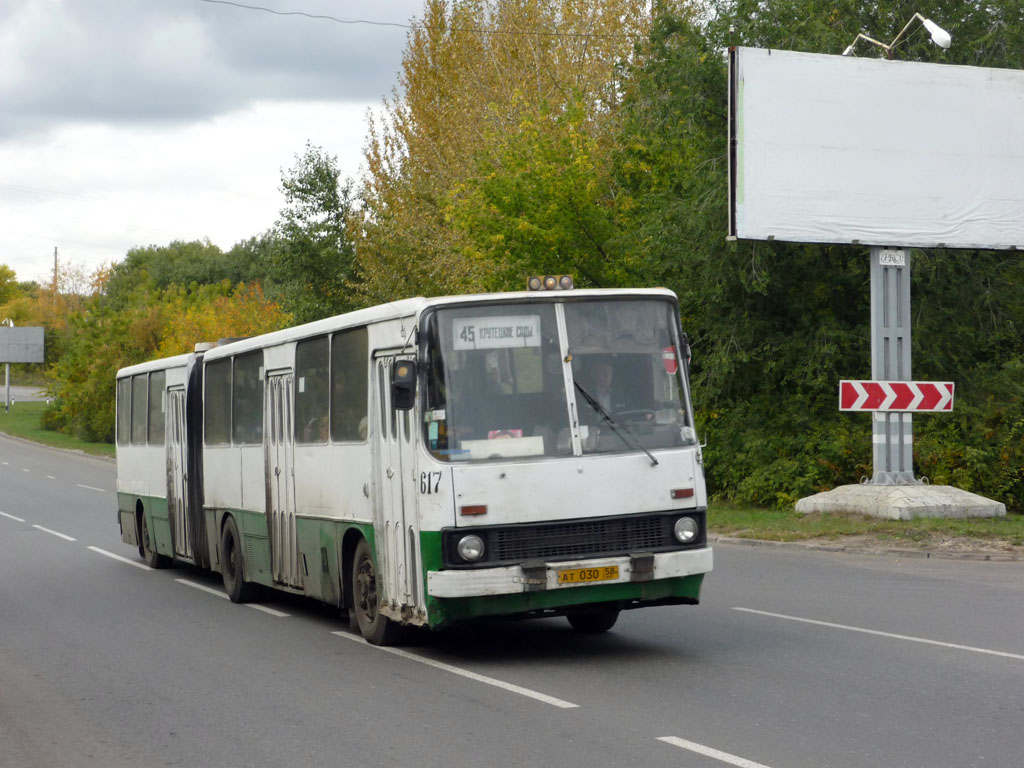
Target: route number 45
x=430, y=482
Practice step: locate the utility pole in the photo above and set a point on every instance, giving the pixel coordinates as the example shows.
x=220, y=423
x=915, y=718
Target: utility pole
x=55, y=277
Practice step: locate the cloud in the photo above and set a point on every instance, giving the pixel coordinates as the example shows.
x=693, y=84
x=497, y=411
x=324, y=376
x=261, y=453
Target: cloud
x=178, y=61
x=97, y=191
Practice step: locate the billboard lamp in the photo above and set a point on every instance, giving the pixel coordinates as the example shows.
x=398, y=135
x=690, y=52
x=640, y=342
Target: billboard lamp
x=939, y=36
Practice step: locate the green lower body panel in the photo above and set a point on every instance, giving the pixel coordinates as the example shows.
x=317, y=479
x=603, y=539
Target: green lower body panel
x=322, y=548
x=321, y=543
x=157, y=520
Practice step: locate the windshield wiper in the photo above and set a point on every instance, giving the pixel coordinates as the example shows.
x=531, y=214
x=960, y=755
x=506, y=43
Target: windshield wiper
x=633, y=441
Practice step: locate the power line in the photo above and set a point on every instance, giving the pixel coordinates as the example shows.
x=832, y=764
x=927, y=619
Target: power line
x=476, y=30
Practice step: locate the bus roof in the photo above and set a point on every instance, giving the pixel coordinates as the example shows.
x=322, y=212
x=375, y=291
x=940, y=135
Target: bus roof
x=406, y=308
x=178, y=361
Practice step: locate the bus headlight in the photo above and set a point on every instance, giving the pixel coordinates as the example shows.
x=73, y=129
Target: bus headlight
x=686, y=529
x=471, y=548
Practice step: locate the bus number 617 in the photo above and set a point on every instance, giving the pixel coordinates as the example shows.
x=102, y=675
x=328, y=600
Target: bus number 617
x=430, y=482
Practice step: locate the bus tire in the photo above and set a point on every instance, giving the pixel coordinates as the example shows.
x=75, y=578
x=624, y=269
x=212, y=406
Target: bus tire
x=593, y=620
x=377, y=628
x=233, y=564
x=147, y=547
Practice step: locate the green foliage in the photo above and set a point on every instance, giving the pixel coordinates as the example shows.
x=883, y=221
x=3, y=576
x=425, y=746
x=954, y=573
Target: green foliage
x=179, y=263
x=540, y=202
x=9, y=288
x=775, y=326
x=158, y=323
x=310, y=255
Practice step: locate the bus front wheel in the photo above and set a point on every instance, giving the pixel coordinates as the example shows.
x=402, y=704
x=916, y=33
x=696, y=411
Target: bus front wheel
x=233, y=564
x=377, y=628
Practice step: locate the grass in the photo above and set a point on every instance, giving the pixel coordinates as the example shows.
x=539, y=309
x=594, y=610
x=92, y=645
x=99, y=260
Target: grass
x=24, y=419
x=786, y=525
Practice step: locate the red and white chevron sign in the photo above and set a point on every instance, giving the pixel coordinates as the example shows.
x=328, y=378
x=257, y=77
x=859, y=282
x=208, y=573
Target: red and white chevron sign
x=916, y=396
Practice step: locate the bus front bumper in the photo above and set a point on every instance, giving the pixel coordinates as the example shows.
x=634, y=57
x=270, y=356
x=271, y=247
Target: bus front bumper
x=515, y=579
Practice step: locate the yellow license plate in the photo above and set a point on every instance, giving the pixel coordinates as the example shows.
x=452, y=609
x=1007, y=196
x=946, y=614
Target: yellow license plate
x=587, y=575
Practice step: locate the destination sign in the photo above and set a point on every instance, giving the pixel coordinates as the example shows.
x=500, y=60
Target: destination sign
x=496, y=332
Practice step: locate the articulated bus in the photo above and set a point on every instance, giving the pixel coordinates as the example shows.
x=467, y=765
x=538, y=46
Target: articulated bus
x=430, y=461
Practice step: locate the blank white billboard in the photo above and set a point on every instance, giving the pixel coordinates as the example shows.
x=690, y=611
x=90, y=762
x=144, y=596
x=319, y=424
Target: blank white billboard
x=21, y=345
x=833, y=149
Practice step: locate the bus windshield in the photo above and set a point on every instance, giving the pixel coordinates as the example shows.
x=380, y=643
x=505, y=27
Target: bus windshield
x=497, y=385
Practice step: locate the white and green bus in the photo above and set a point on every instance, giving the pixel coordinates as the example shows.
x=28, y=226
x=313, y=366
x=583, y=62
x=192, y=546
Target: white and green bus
x=430, y=461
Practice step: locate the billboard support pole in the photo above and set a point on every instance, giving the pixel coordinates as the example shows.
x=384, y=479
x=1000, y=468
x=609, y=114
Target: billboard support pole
x=892, y=434
x=7, y=376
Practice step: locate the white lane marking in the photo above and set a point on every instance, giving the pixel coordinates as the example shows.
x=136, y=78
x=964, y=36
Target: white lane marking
x=266, y=609
x=90, y=488
x=12, y=517
x=50, y=477
x=909, y=638
x=6, y=464
x=218, y=593
x=465, y=673
x=203, y=588
x=717, y=754
x=112, y=556
x=55, y=533
x=25, y=470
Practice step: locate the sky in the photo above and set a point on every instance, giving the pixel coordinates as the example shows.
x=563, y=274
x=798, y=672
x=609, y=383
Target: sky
x=128, y=123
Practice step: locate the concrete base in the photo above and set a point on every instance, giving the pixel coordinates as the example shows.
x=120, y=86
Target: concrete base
x=901, y=502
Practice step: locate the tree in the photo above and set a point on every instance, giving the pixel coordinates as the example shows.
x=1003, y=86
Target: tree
x=182, y=263
x=540, y=202
x=776, y=325
x=311, y=254
x=104, y=338
x=9, y=288
x=474, y=73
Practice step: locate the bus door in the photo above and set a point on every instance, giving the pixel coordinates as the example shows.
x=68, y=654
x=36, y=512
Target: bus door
x=280, y=478
x=395, y=519
x=177, y=472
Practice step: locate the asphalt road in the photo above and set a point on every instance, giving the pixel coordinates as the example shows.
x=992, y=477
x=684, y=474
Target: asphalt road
x=793, y=660
x=21, y=394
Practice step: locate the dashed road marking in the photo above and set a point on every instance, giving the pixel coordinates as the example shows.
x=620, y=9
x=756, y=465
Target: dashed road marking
x=465, y=673
x=218, y=593
x=90, y=488
x=12, y=517
x=717, y=754
x=112, y=556
x=862, y=630
x=58, y=534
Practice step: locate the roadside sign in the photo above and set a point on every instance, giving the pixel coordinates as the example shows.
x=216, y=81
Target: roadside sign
x=911, y=396
x=21, y=345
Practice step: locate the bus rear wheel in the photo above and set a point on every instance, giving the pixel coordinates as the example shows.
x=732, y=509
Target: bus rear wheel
x=233, y=564
x=147, y=547
x=593, y=620
x=377, y=628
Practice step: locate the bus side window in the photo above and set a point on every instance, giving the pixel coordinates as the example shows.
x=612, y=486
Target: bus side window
x=312, y=395
x=247, y=399
x=217, y=403
x=124, y=411
x=157, y=406
x=140, y=408
x=349, y=385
